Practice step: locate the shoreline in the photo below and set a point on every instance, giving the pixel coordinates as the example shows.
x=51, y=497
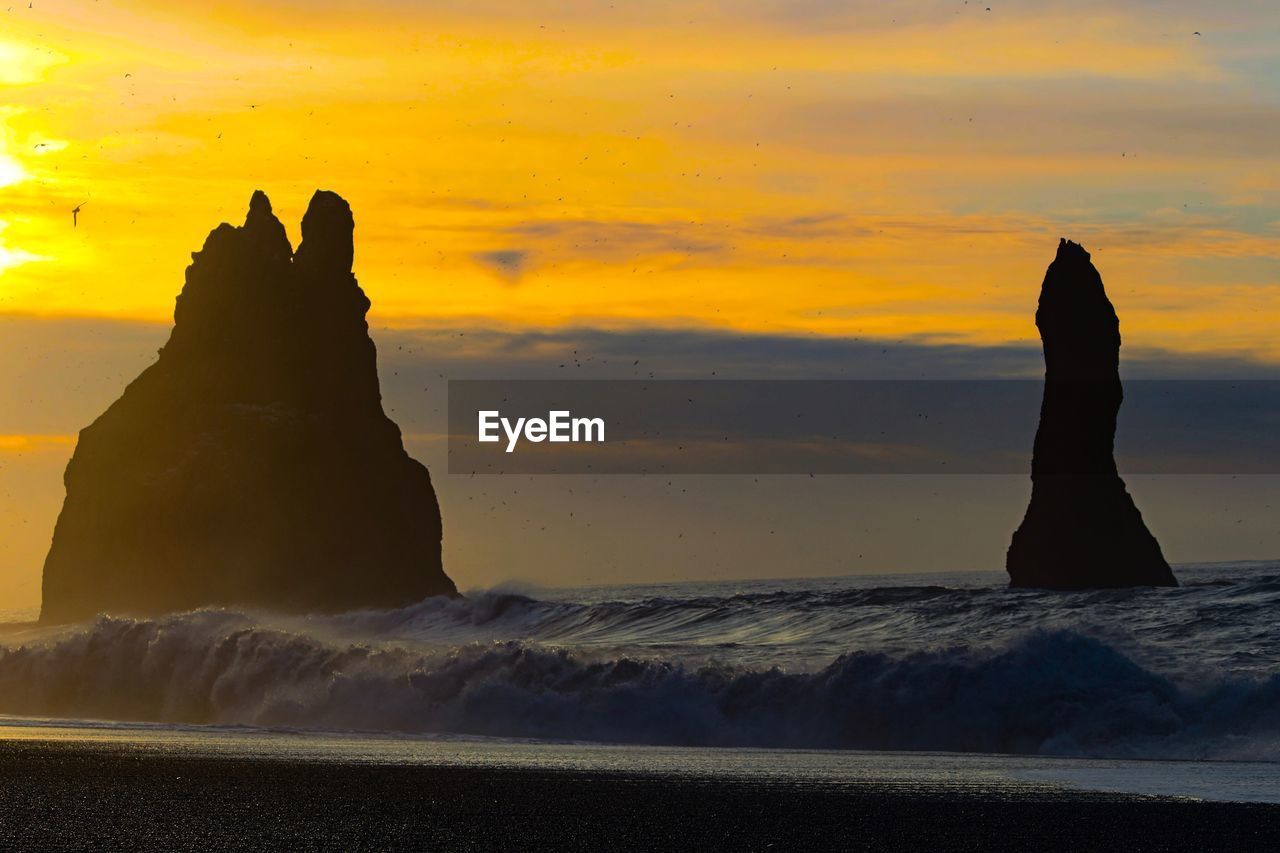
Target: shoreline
x=85, y=795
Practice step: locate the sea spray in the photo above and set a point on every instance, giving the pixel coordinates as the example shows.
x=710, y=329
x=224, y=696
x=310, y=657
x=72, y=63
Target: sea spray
x=745, y=669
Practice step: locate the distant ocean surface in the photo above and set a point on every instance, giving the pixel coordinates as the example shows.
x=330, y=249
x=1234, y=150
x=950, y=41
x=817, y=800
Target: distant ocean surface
x=944, y=662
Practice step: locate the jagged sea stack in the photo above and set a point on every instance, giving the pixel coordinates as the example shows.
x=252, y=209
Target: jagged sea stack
x=1082, y=529
x=252, y=463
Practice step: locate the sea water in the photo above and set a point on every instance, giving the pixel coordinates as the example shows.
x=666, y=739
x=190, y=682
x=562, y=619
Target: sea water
x=1161, y=690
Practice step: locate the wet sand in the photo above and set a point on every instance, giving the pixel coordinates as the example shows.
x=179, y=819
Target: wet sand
x=77, y=795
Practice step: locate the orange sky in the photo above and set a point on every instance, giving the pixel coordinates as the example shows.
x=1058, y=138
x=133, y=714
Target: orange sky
x=807, y=167
x=817, y=167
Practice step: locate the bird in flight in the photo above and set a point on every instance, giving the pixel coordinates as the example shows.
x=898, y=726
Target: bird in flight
x=75, y=213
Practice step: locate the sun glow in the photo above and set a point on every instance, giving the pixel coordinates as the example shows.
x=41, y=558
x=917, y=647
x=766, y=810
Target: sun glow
x=25, y=63
x=900, y=177
x=11, y=172
x=10, y=256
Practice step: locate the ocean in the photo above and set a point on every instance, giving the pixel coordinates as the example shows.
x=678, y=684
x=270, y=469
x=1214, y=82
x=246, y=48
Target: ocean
x=1167, y=691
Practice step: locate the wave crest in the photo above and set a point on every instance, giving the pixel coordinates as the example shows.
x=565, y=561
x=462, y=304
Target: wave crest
x=1044, y=692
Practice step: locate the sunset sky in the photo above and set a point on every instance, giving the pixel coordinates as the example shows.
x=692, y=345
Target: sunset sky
x=802, y=166
x=870, y=170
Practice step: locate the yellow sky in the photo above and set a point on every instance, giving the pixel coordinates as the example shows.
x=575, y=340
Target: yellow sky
x=828, y=167
x=808, y=167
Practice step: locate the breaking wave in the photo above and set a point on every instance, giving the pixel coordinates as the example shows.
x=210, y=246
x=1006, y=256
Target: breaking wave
x=668, y=670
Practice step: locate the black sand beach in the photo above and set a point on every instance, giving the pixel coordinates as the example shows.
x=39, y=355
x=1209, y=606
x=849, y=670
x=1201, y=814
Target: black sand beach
x=76, y=795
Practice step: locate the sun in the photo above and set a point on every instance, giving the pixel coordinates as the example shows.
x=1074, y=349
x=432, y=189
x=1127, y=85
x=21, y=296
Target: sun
x=11, y=171
x=23, y=63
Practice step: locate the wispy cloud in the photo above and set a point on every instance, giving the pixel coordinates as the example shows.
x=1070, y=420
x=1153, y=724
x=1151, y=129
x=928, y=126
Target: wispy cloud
x=36, y=443
x=761, y=166
x=507, y=263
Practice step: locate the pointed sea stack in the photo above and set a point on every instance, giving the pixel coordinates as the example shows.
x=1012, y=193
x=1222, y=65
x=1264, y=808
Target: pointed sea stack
x=252, y=464
x=1082, y=529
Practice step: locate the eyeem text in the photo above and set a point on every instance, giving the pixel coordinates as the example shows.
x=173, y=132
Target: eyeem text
x=558, y=426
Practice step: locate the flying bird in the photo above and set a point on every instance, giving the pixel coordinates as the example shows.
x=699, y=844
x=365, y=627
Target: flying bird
x=75, y=213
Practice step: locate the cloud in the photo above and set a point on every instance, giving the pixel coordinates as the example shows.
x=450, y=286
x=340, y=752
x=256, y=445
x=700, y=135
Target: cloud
x=35, y=443
x=509, y=264
x=621, y=239
x=705, y=353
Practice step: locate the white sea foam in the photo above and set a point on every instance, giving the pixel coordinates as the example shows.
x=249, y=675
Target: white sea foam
x=1187, y=673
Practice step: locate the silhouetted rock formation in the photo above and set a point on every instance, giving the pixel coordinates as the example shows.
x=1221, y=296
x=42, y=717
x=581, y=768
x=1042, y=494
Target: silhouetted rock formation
x=1082, y=529
x=252, y=463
